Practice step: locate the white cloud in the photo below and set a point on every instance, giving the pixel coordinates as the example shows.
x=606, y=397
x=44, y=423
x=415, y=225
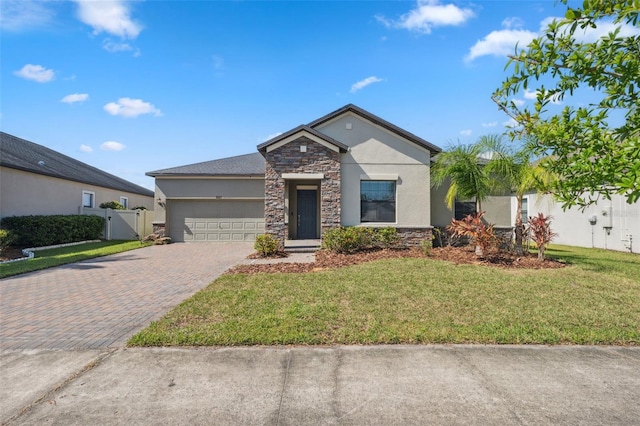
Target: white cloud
x=112, y=146
x=503, y=42
x=110, y=16
x=512, y=22
x=364, y=83
x=500, y=43
x=491, y=124
x=517, y=102
x=36, y=73
x=466, y=132
x=86, y=148
x=115, y=47
x=22, y=15
x=75, y=97
x=127, y=107
x=429, y=14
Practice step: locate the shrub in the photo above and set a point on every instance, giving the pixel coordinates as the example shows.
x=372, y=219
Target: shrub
x=112, y=205
x=6, y=239
x=472, y=226
x=349, y=239
x=386, y=237
x=39, y=231
x=540, y=230
x=266, y=245
x=139, y=208
x=426, y=246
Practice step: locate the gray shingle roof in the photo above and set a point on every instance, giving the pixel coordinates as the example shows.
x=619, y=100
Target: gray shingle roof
x=380, y=122
x=343, y=148
x=254, y=164
x=241, y=165
x=20, y=154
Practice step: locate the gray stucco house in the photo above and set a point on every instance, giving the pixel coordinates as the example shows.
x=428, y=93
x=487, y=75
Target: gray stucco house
x=347, y=168
x=36, y=180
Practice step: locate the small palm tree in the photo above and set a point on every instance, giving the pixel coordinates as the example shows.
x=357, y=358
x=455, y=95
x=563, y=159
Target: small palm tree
x=461, y=165
x=517, y=172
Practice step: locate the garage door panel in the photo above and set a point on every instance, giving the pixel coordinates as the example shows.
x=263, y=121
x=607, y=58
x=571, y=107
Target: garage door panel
x=215, y=220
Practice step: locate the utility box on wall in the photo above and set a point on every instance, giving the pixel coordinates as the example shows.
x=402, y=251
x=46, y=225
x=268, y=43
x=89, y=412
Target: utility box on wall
x=607, y=217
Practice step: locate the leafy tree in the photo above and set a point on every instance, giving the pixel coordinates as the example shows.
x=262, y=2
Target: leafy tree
x=460, y=166
x=588, y=154
x=517, y=172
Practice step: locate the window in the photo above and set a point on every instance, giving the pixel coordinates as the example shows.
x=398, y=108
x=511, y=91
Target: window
x=377, y=201
x=88, y=199
x=463, y=209
x=525, y=210
x=125, y=202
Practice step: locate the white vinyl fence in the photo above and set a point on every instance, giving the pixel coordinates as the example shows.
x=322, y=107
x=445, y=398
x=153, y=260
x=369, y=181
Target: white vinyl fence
x=123, y=224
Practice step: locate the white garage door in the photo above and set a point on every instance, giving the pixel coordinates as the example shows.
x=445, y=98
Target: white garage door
x=215, y=220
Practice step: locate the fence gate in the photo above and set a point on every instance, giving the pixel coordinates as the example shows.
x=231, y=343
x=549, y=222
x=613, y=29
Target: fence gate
x=123, y=224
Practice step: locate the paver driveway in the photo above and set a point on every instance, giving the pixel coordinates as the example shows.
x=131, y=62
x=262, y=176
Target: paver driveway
x=101, y=302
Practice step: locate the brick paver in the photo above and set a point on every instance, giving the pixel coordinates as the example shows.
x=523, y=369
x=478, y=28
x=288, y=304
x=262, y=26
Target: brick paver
x=102, y=302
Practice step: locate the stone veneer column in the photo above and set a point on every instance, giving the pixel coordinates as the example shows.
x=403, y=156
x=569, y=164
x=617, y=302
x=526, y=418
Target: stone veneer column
x=289, y=159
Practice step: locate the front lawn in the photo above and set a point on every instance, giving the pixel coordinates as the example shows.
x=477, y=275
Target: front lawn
x=595, y=300
x=59, y=256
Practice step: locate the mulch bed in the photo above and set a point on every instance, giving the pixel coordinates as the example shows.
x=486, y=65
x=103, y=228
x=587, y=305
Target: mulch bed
x=458, y=255
x=11, y=253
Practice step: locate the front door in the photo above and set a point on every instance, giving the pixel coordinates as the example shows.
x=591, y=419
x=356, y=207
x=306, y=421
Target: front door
x=307, y=214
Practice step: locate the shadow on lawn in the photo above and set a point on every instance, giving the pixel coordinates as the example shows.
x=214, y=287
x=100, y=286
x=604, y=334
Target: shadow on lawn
x=605, y=262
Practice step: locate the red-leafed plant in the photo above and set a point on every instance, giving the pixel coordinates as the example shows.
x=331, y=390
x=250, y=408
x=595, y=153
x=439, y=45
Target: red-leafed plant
x=480, y=233
x=540, y=231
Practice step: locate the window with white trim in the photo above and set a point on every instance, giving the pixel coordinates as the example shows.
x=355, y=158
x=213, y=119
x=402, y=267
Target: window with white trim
x=125, y=202
x=525, y=210
x=88, y=199
x=377, y=201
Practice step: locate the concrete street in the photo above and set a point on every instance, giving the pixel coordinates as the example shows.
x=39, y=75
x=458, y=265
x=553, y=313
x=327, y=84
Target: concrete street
x=435, y=385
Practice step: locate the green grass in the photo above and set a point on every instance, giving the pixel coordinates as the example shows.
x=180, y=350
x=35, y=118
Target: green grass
x=59, y=256
x=595, y=300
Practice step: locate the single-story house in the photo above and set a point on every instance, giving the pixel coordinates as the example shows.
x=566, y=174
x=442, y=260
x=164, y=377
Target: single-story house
x=35, y=180
x=347, y=168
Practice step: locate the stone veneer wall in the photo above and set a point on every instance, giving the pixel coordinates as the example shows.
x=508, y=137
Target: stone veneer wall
x=289, y=159
x=413, y=237
x=159, y=229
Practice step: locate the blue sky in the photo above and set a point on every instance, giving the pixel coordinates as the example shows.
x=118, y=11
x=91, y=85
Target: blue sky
x=135, y=86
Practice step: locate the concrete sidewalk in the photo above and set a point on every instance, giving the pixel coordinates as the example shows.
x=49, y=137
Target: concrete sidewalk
x=451, y=384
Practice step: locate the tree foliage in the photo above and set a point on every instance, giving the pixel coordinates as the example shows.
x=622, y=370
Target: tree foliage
x=517, y=172
x=591, y=156
x=460, y=166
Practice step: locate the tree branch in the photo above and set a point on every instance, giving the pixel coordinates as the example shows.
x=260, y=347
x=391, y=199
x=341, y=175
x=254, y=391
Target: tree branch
x=561, y=66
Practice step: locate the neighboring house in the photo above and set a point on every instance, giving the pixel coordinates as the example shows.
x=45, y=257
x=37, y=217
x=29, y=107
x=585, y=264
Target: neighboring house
x=35, y=180
x=348, y=167
x=609, y=224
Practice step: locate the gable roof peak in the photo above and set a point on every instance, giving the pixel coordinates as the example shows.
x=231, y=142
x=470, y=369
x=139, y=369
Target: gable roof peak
x=378, y=121
x=303, y=128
